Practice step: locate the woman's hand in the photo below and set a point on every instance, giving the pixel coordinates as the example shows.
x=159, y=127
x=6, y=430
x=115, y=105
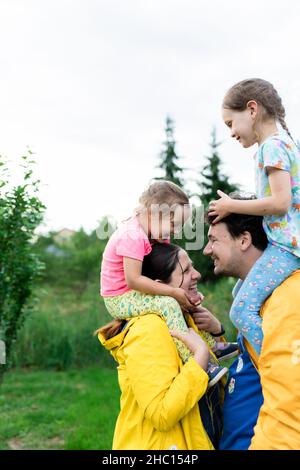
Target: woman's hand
x=205, y=320
x=195, y=344
x=220, y=208
x=181, y=296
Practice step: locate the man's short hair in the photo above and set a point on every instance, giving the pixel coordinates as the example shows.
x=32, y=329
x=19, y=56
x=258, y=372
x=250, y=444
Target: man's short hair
x=237, y=224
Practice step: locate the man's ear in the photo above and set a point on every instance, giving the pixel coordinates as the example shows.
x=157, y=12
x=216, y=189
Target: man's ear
x=246, y=241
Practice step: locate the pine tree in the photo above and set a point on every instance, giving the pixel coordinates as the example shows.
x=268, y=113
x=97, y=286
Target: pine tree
x=169, y=157
x=211, y=180
x=213, y=177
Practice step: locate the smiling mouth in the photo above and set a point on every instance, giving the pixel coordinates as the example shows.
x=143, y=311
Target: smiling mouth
x=193, y=286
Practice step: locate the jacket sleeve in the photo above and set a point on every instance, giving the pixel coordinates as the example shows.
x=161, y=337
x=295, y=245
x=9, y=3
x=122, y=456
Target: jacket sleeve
x=278, y=425
x=164, y=393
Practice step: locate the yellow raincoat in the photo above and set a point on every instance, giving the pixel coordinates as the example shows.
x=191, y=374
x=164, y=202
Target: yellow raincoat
x=159, y=395
x=278, y=424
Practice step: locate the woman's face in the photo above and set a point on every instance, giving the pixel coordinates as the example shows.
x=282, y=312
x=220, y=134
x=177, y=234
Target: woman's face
x=185, y=275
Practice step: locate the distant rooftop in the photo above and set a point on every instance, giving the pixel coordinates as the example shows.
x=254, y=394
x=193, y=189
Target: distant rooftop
x=63, y=235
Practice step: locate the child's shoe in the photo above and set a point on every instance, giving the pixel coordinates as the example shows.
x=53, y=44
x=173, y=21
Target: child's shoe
x=215, y=373
x=227, y=351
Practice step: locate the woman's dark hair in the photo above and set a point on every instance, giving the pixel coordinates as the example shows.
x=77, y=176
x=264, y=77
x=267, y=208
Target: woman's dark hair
x=161, y=261
x=111, y=329
x=158, y=264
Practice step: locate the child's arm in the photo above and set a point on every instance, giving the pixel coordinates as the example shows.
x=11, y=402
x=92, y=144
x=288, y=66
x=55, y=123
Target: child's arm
x=135, y=280
x=276, y=204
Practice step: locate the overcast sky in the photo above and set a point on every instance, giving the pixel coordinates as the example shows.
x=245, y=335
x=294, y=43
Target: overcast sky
x=87, y=84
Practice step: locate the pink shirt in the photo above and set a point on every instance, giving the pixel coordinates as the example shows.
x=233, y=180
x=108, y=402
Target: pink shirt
x=129, y=241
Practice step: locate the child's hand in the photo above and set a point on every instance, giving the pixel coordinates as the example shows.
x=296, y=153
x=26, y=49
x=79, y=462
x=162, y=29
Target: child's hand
x=181, y=296
x=221, y=207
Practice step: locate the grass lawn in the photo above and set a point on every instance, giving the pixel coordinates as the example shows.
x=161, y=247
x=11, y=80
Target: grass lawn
x=76, y=409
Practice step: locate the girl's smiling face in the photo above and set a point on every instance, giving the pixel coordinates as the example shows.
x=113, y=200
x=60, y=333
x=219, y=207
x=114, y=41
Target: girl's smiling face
x=241, y=125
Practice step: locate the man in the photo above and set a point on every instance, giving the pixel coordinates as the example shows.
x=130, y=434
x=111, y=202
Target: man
x=267, y=400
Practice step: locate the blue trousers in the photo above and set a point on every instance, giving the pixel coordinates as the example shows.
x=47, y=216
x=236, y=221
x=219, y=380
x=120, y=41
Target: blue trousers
x=243, y=399
x=269, y=271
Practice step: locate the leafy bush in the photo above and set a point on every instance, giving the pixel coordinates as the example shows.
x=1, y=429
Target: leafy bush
x=20, y=213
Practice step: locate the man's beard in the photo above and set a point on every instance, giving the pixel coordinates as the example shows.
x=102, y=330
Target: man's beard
x=230, y=270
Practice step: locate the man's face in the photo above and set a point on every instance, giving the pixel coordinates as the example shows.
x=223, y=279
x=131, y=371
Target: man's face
x=185, y=275
x=224, y=250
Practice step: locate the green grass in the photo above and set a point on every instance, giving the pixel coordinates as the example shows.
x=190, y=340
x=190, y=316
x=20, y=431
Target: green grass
x=59, y=332
x=76, y=409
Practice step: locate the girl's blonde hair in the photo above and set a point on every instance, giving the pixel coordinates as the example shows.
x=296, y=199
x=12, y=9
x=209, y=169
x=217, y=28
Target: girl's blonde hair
x=163, y=192
x=261, y=91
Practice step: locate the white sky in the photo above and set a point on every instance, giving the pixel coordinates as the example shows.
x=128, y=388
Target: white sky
x=87, y=85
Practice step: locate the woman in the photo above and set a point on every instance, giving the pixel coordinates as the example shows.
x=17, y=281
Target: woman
x=161, y=397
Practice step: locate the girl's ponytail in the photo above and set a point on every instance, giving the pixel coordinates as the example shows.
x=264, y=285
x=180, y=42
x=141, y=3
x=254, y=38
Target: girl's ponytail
x=282, y=122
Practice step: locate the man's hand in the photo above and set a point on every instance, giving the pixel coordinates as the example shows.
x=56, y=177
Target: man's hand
x=220, y=208
x=205, y=320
